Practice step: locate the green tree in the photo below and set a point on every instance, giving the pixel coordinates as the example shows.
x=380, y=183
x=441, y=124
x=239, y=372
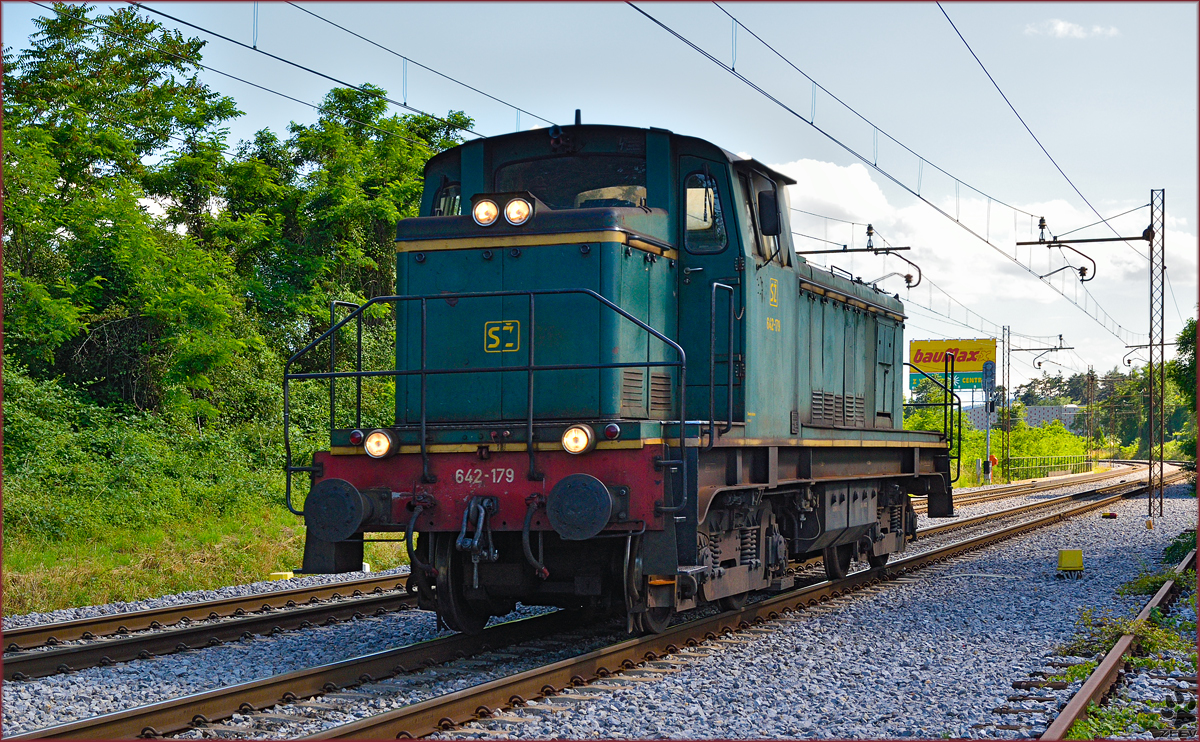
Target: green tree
x=1182, y=373
x=107, y=296
x=1182, y=370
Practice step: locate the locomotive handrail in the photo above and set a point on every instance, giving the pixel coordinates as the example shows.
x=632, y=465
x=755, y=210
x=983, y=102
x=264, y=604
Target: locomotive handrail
x=333, y=305
x=424, y=372
x=952, y=402
x=712, y=366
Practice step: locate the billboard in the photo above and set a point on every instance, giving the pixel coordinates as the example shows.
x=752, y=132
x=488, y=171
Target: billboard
x=969, y=357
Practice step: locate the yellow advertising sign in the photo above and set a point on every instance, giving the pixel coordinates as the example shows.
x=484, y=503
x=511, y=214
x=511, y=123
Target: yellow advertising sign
x=969, y=357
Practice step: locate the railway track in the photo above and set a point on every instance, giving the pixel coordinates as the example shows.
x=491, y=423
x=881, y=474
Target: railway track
x=49, y=649
x=1100, y=683
x=382, y=673
x=1032, y=486
x=37, y=651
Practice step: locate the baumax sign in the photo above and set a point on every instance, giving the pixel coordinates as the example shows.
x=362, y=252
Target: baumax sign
x=969, y=357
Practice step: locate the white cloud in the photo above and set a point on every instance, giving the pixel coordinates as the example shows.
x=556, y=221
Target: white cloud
x=985, y=280
x=1061, y=29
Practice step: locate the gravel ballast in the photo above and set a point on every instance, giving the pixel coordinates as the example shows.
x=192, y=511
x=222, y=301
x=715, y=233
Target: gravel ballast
x=786, y=684
x=925, y=659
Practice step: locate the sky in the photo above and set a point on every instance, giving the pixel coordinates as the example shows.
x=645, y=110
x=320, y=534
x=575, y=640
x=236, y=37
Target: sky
x=1108, y=89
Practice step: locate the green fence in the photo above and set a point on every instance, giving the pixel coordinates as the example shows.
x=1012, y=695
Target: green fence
x=1034, y=467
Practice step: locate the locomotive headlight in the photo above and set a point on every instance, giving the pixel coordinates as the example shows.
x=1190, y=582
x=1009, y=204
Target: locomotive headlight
x=378, y=444
x=517, y=211
x=485, y=212
x=579, y=439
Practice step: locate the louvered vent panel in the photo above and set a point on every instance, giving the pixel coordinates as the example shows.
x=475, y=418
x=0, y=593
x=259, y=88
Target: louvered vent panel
x=835, y=409
x=633, y=400
x=855, y=412
x=826, y=408
x=660, y=394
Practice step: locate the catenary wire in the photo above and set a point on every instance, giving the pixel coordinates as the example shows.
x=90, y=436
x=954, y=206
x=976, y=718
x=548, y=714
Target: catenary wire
x=299, y=66
x=1028, y=269
x=950, y=297
x=413, y=61
x=264, y=88
x=1035, y=139
x=1104, y=221
x=859, y=115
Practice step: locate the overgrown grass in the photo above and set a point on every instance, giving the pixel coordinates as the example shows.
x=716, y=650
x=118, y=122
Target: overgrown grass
x=1105, y=722
x=1099, y=631
x=1180, y=545
x=133, y=564
x=1147, y=583
x=1075, y=673
x=103, y=505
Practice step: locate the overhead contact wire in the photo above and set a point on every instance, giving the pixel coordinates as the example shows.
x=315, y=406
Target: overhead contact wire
x=1035, y=139
x=889, y=176
x=202, y=66
x=310, y=70
x=413, y=61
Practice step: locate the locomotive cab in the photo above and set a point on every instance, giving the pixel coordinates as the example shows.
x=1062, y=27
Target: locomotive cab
x=617, y=387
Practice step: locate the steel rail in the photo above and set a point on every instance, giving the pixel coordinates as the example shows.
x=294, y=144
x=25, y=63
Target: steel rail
x=457, y=708
x=184, y=636
x=1102, y=679
x=1019, y=509
x=143, y=645
x=27, y=637
x=471, y=704
x=180, y=714
x=1032, y=486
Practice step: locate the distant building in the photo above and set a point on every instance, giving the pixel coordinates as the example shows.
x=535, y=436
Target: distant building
x=1034, y=416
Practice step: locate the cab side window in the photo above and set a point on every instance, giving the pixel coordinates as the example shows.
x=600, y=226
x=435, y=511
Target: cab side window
x=770, y=244
x=704, y=223
x=448, y=201
x=749, y=215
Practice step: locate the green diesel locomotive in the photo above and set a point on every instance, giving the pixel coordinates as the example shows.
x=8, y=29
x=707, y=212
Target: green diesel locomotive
x=619, y=388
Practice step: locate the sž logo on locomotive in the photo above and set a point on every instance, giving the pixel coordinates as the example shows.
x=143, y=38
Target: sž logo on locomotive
x=503, y=336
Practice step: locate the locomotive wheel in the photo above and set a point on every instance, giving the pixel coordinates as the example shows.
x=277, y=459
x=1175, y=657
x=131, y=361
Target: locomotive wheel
x=877, y=561
x=733, y=602
x=656, y=620
x=452, y=604
x=837, y=560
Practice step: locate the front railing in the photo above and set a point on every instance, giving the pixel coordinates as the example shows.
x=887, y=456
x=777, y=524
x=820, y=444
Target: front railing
x=424, y=372
x=1033, y=467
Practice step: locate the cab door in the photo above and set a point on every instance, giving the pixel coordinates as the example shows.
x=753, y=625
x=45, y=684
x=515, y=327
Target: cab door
x=711, y=252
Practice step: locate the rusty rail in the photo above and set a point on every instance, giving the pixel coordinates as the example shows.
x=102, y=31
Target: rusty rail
x=1030, y=487
x=27, y=637
x=1019, y=509
x=1102, y=679
x=180, y=714
x=40, y=663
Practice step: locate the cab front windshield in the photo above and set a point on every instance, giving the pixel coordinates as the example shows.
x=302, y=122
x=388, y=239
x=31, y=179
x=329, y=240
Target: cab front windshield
x=577, y=181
